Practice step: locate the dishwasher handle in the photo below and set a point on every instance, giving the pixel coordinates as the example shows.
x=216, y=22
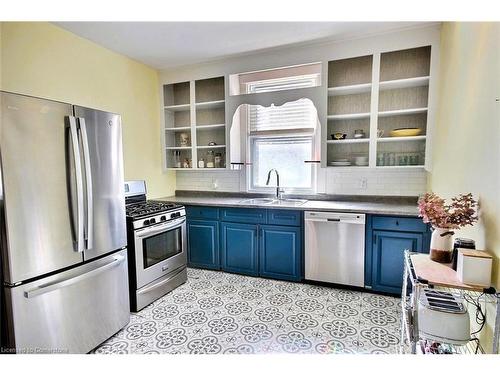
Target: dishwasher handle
x=335, y=217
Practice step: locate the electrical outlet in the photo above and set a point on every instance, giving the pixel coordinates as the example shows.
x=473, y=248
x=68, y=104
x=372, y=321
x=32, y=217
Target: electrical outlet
x=215, y=185
x=363, y=183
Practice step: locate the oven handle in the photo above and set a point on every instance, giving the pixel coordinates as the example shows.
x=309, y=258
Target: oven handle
x=159, y=228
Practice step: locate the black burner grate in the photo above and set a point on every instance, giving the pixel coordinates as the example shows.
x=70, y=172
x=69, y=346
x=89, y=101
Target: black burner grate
x=148, y=208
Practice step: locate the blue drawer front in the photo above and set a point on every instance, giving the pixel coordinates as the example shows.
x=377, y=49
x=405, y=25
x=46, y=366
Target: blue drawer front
x=244, y=215
x=198, y=212
x=406, y=224
x=284, y=217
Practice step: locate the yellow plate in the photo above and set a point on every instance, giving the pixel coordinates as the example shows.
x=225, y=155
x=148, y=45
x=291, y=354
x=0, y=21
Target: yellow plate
x=405, y=132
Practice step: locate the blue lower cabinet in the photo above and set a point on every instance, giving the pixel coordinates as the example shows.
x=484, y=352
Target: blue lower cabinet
x=203, y=244
x=240, y=248
x=388, y=260
x=280, y=253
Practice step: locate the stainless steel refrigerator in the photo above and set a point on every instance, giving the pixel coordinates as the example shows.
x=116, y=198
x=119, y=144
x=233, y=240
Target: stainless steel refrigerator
x=62, y=226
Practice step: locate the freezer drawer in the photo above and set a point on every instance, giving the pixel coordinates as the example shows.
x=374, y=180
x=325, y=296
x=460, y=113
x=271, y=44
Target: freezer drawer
x=73, y=311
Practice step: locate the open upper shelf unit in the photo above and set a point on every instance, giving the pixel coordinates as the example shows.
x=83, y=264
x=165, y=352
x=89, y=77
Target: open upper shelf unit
x=195, y=123
x=375, y=95
x=349, y=109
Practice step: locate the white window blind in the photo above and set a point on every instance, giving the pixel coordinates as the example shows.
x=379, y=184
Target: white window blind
x=300, y=114
x=287, y=83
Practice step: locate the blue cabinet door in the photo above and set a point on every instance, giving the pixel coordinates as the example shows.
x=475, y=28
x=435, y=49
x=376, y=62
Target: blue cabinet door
x=203, y=244
x=280, y=252
x=387, y=258
x=239, y=244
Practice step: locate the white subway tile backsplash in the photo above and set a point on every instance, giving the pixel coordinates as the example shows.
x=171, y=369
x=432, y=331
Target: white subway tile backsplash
x=349, y=182
x=203, y=180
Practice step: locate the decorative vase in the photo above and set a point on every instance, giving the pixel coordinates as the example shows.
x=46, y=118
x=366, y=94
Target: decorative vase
x=442, y=245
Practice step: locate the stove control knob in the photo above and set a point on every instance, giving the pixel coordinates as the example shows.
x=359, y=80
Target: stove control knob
x=152, y=221
x=146, y=222
x=163, y=218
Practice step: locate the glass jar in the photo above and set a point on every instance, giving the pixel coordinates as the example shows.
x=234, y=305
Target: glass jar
x=392, y=159
x=201, y=163
x=380, y=160
x=414, y=159
x=210, y=159
x=218, y=160
x=177, y=159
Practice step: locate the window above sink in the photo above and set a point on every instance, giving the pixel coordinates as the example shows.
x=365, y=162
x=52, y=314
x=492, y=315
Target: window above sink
x=284, y=138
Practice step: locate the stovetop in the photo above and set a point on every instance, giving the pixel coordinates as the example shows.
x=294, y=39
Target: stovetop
x=148, y=208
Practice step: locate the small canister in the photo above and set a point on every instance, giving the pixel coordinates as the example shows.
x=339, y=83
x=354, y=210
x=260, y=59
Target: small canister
x=463, y=243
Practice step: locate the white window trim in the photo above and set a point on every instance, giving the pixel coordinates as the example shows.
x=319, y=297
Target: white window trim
x=272, y=188
x=314, y=132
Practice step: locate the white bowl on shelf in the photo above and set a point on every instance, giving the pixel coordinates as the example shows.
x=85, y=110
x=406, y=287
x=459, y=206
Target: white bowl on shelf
x=361, y=161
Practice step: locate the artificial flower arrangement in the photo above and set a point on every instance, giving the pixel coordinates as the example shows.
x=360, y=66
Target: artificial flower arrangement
x=461, y=212
x=444, y=218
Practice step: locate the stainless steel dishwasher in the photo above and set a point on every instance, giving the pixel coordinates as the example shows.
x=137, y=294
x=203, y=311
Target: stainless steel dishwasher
x=335, y=247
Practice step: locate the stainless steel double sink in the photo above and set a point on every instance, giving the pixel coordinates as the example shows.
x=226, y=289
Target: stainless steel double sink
x=274, y=201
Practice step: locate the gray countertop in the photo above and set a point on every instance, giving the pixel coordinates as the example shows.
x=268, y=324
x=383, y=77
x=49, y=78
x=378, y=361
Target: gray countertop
x=381, y=208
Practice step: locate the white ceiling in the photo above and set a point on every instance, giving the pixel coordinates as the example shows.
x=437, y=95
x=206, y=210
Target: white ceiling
x=167, y=44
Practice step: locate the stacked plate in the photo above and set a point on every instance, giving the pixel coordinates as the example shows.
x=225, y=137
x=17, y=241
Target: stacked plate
x=340, y=163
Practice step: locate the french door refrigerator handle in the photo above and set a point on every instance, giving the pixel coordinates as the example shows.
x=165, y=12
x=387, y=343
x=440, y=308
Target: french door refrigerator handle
x=80, y=241
x=118, y=259
x=89, y=226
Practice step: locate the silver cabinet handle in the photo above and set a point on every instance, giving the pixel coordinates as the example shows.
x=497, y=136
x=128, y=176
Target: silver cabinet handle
x=89, y=227
x=80, y=245
x=73, y=280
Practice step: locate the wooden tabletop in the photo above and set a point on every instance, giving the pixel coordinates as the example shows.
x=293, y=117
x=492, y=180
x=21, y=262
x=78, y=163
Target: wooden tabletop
x=438, y=274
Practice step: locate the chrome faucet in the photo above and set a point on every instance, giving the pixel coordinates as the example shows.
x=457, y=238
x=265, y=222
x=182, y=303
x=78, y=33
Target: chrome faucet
x=279, y=191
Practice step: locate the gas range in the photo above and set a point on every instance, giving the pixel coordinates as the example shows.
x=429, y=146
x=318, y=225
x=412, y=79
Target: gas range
x=149, y=213
x=142, y=212
x=157, y=238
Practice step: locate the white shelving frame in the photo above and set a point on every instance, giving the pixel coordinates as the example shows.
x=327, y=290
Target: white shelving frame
x=375, y=87
x=193, y=128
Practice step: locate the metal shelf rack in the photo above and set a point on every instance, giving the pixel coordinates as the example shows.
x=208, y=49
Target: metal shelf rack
x=414, y=283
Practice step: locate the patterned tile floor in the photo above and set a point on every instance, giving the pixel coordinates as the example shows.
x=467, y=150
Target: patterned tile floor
x=217, y=312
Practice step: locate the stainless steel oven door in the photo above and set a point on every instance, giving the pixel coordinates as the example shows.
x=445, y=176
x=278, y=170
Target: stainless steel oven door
x=159, y=249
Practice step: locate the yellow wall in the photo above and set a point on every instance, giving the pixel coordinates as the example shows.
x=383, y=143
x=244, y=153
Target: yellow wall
x=466, y=150
x=43, y=60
